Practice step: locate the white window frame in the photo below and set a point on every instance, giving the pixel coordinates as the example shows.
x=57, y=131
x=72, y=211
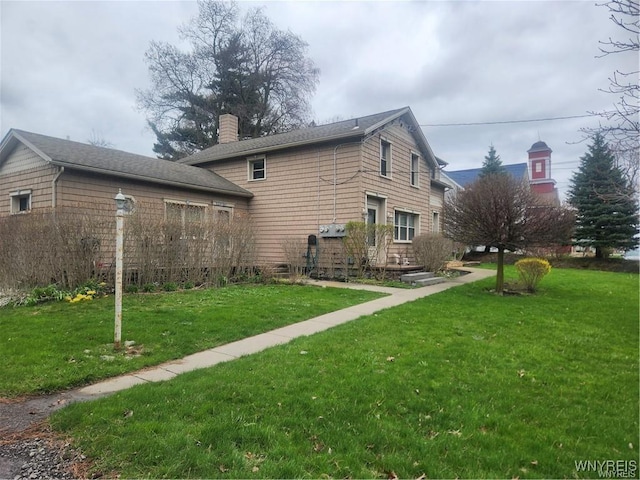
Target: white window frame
x=222, y=208
x=251, y=170
x=15, y=199
x=414, y=171
x=183, y=212
x=537, y=167
x=387, y=161
x=411, y=231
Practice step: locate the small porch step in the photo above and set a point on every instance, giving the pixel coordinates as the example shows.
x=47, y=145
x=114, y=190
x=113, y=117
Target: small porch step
x=421, y=278
x=415, y=276
x=430, y=281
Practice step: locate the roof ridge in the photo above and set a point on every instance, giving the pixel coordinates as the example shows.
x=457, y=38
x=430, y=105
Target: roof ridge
x=83, y=144
x=296, y=137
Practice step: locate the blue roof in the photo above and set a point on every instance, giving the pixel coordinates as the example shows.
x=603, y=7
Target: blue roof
x=465, y=177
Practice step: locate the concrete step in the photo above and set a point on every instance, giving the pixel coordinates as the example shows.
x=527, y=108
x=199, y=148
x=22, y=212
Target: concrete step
x=430, y=281
x=414, y=277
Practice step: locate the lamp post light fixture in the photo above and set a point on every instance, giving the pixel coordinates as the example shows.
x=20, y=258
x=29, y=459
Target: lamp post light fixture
x=120, y=206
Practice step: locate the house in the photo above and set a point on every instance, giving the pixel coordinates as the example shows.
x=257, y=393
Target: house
x=39, y=172
x=379, y=169
x=308, y=182
x=537, y=171
x=461, y=178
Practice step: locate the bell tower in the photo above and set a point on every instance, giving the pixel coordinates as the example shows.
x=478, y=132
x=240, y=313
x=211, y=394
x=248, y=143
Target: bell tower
x=540, y=170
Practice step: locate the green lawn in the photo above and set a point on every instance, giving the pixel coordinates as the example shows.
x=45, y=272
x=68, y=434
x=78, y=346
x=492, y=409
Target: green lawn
x=459, y=384
x=56, y=346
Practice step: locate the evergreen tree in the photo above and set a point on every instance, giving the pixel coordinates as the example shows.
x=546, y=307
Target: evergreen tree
x=492, y=164
x=606, y=208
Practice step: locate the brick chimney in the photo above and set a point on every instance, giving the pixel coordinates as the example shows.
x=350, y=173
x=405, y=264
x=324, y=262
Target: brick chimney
x=227, y=128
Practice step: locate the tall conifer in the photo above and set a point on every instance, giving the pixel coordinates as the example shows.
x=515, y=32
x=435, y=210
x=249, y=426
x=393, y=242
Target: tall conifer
x=606, y=207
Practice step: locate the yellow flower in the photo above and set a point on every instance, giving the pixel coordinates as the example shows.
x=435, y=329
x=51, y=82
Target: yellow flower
x=91, y=292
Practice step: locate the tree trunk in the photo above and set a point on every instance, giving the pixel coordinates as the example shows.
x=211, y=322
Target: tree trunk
x=599, y=252
x=500, y=272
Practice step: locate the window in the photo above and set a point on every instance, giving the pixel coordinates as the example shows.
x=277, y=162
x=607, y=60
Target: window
x=415, y=167
x=385, y=158
x=222, y=215
x=538, y=166
x=405, y=226
x=257, y=168
x=184, y=213
x=20, y=201
x=222, y=231
x=436, y=222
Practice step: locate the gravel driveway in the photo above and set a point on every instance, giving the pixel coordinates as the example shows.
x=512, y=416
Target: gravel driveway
x=28, y=448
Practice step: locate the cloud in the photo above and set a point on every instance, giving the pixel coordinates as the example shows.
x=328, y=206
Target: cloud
x=72, y=67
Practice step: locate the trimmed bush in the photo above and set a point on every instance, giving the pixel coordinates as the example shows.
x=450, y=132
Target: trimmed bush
x=432, y=251
x=531, y=271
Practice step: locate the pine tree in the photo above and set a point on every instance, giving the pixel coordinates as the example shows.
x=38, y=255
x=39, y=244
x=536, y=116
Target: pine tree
x=606, y=208
x=492, y=164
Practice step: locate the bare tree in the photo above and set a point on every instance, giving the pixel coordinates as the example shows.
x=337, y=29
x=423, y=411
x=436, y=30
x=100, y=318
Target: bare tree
x=97, y=140
x=239, y=65
x=622, y=127
x=503, y=212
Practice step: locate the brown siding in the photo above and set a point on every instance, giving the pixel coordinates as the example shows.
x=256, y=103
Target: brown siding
x=96, y=192
x=297, y=194
x=397, y=189
x=24, y=170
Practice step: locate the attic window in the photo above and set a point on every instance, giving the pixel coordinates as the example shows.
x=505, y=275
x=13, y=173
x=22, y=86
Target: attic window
x=20, y=201
x=257, y=167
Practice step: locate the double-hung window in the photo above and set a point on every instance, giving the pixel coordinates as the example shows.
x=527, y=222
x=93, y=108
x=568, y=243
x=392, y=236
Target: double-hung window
x=385, y=158
x=257, y=167
x=415, y=167
x=405, y=225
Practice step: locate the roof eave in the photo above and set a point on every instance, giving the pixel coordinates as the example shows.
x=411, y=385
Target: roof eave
x=10, y=141
x=243, y=193
x=440, y=183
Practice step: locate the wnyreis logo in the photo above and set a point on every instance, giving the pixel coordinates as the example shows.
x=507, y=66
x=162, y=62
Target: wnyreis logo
x=609, y=468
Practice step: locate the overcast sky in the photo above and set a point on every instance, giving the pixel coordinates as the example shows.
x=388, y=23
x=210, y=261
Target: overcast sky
x=70, y=69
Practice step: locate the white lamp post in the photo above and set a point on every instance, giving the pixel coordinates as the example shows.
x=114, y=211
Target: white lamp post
x=120, y=205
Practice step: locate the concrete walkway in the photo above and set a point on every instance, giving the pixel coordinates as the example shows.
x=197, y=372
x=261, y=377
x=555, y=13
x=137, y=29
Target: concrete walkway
x=247, y=346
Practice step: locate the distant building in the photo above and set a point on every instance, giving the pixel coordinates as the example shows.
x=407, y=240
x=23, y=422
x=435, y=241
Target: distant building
x=537, y=172
x=540, y=172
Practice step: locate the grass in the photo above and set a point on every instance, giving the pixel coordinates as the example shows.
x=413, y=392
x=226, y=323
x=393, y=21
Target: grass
x=56, y=346
x=459, y=384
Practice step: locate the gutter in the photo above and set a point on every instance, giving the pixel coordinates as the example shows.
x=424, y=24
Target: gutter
x=54, y=189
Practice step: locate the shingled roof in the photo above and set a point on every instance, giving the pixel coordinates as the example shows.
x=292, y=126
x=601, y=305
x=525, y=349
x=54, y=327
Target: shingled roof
x=465, y=177
x=352, y=128
x=108, y=161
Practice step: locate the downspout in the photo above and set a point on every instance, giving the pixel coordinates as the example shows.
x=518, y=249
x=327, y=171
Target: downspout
x=54, y=189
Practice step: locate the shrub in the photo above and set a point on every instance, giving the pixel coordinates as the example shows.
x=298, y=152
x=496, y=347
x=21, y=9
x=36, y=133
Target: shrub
x=44, y=294
x=432, y=251
x=188, y=285
x=367, y=244
x=170, y=287
x=295, y=250
x=531, y=271
x=131, y=288
x=149, y=287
